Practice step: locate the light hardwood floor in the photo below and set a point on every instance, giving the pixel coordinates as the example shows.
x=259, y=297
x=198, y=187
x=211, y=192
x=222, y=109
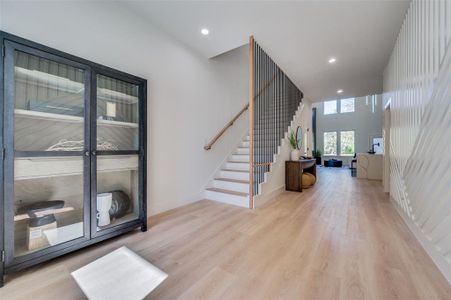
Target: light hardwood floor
x=342, y=239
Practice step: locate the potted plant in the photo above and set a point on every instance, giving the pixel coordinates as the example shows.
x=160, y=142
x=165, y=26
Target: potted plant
x=295, y=152
x=317, y=155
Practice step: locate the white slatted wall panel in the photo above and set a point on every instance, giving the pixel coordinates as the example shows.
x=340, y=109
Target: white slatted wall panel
x=417, y=80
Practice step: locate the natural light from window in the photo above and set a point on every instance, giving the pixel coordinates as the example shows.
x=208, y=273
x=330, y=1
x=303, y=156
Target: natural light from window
x=330, y=107
x=330, y=143
x=347, y=105
x=347, y=143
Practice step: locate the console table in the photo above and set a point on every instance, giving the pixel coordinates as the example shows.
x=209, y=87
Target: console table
x=294, y=170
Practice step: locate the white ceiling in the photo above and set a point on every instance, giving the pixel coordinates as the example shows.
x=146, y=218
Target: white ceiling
x=299, y=36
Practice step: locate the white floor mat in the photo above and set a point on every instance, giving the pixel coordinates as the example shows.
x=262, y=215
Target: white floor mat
x=121, y=274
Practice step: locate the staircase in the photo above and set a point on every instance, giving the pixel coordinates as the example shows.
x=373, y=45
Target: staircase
x=273, y=103
x=231, y=185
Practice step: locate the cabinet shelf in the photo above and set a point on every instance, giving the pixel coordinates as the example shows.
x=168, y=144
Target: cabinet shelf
x=127, y=218
x=37, y=115
x=44, y=167
x=48, y=80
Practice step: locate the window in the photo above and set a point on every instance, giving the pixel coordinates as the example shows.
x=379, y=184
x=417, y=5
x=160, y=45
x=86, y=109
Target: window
x=330, y=143
x=347, y=105
x=330, y=107
x=347, y=143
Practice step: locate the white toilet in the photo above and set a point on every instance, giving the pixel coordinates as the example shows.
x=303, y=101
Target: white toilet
x=104, y=201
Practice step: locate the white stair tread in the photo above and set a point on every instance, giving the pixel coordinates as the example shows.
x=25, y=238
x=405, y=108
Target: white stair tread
x=232, y=180
x=227, y=192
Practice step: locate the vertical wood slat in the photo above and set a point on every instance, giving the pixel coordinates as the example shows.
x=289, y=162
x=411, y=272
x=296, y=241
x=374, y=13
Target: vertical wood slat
x=417, y=80
x=251, y=120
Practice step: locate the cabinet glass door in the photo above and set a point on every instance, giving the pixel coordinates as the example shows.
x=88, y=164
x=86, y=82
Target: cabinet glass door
x=117, y=114
x=117, y=172
x=45, y=146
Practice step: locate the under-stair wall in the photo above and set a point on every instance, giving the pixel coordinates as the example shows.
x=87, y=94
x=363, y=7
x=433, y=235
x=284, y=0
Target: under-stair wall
x=274, y=182
x=416, y=88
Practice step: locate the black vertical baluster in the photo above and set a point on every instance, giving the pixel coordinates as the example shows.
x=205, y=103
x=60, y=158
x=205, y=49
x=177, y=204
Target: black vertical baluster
x=265, y=97
x=275, y=142
x=276, y=101
x=262, y=132
x=257, y=104
x=278, y=104
x=267, y=124
x=261, y=110
x=256, y=118
x=260, y=117
x=265, y=94
x=271, y=121
x=273, y=106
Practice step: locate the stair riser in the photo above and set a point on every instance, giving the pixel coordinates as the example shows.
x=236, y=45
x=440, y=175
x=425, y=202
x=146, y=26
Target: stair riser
x=243, y=158
x=246, y=138
x=236, y=166
x=231, y=186
x=244, y=144
x=234, y=175
x=242, y=151
x=242, y=201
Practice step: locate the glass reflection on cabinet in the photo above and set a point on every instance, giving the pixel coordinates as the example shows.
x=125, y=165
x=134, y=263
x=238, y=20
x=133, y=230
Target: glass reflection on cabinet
x=117, y=190
x=48, y=202
x=47, y=94
x=117, y=114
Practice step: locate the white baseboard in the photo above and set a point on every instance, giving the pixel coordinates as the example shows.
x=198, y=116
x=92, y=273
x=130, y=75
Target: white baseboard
x=263, y=200
x=441, y=263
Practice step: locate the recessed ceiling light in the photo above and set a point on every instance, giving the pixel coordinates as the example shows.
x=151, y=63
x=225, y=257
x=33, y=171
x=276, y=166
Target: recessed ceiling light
x=205, y=31
x=332, y=60
x=340, y=91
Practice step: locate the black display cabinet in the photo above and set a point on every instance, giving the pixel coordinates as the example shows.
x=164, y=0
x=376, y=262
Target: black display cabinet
x=73, y=152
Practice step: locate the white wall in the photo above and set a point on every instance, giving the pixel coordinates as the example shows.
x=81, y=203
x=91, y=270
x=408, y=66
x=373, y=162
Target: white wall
x=275, y=179
x=189, y=97
x=363, y=121
x=416, y=82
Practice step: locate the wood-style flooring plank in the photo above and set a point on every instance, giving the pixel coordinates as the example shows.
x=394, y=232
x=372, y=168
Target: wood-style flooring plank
x=341, y=239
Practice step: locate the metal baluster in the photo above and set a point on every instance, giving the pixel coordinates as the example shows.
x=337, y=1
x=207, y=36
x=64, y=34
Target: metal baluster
x=276, y=101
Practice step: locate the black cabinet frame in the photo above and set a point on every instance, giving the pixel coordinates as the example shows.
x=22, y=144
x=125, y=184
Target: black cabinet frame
x=9, y=263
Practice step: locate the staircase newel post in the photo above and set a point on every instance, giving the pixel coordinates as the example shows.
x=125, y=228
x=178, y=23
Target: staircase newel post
x=251, y=120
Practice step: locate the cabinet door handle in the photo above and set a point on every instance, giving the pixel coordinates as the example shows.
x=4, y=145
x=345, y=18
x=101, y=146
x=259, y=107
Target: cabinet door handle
x=94, y=153
x=86, y=153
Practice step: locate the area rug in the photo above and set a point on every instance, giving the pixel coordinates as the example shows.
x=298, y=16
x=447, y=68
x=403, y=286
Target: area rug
x=121, y=274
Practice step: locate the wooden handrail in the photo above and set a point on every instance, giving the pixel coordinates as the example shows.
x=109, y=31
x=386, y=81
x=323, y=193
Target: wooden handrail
x=210, y=144
x=220, y=133
x=267, y=84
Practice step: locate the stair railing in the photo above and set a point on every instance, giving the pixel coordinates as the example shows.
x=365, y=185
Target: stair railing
x=273, y=101
x=224, y=129
x=232, y=121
